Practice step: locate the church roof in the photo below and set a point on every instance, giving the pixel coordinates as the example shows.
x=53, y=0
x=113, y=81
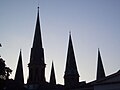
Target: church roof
x=110, y=79
x=71, y=67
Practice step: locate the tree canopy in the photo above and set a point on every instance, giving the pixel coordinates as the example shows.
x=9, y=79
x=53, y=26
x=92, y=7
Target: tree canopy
x=4, y=71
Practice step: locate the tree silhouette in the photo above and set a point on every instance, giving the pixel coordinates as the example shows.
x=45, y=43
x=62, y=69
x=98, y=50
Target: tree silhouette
x=8, y=72
x=4, y=73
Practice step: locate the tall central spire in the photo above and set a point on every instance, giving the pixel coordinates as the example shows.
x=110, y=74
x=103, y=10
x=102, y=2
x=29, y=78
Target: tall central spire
x=71, y=77
x=71, y=67
x=37, y=37
x=37, y=65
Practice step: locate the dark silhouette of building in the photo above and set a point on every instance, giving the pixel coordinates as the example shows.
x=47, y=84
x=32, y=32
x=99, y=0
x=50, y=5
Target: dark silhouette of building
x=37, y=81
x=37, y=63
x=71, y=77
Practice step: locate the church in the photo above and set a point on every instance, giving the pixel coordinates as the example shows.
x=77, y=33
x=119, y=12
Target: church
x=37, y=81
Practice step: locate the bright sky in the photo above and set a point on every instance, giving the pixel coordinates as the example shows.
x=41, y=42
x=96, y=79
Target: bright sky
x=94, y=24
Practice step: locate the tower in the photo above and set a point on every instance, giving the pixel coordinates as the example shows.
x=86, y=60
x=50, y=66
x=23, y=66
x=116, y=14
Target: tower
x=37, y=63
x=71, y=77
x=100, y=69
x=52, y=76
x=19, y=78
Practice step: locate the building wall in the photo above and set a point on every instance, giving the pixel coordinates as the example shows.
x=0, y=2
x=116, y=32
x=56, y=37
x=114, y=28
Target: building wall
x=107, y=87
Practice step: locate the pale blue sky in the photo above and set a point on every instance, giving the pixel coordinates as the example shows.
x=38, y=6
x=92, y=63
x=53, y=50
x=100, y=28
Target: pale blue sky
x=93, y=23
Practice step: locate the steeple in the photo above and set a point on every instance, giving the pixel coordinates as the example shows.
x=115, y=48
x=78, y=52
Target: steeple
x=52, y=76
x=71, y=77
x=37, y=65
x=37, y=37
x=100, y=69
x=19, y=78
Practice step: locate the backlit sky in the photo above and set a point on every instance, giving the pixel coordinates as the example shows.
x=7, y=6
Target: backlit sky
x=94, y=24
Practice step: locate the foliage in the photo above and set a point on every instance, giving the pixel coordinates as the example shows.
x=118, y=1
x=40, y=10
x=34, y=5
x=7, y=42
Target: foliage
x=4, y=71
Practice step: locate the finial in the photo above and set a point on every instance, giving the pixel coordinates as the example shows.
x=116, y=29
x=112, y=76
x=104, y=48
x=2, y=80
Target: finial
x=52, y=61
x=38, y=8
x=20, y=51
x=98, y=49
x=69, y=32
x=38, y=3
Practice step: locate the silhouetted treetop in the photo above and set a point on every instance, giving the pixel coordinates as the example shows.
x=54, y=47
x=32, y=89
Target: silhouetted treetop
x=4, y=71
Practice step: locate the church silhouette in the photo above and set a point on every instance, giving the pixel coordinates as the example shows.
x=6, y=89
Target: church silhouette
x=37, y=80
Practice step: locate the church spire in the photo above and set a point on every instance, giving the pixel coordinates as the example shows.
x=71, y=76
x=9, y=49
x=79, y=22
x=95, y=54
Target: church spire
x=37, y=37
x=71, y=77
x=100, y=68
x=52, y=76
x=37, y=64
x=19, y=78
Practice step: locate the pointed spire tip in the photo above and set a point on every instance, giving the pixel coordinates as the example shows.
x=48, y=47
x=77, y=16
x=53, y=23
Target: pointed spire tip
x=98, y=49
x=70, y=32
x=38, y=7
